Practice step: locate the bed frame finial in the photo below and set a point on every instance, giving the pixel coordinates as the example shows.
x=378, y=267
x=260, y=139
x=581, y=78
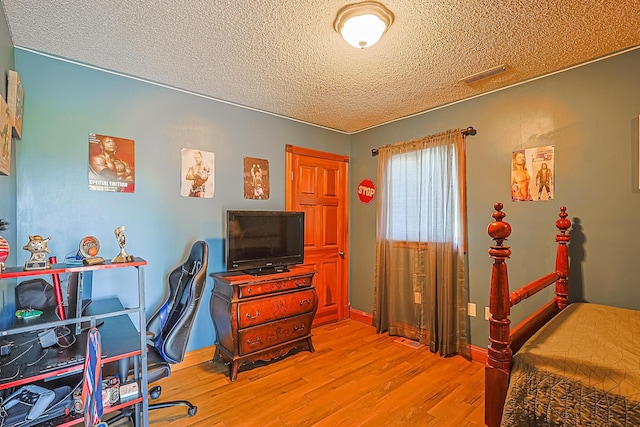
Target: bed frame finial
x=563, y=223
x=499, y=231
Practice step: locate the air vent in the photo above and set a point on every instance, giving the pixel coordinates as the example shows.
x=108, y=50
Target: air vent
x=408, y=343
x=484, y=74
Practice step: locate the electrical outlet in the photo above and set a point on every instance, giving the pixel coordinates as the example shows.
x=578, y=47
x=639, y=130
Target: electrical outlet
x=487, y=313
x=471, y=309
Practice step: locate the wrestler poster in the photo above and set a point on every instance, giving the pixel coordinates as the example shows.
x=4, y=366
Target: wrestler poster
x=111, y=164
x=533, y=174
x=256, y=178
x=197, y=173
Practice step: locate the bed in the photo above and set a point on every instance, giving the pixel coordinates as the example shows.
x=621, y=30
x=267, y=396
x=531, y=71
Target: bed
x=565, y=365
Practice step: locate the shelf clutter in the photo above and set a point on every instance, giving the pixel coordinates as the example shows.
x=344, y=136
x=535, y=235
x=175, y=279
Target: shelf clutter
x=43, y=354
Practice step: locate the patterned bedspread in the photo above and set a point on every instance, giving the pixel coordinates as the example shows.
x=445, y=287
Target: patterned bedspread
x=581, y=369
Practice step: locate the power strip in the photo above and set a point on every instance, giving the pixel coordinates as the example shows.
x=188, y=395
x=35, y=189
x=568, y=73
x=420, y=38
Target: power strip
x=128, y=391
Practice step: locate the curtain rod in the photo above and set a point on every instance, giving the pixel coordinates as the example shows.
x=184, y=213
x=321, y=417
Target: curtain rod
x=468, y=131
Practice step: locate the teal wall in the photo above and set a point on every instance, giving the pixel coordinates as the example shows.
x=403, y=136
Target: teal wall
x=64, y=102
x=590, y=115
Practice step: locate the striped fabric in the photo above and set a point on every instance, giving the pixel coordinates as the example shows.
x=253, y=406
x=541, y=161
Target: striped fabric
x=92, y=386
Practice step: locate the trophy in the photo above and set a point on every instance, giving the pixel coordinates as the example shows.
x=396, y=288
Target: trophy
x=38, y=248
x=123, y=256
x=89, y=247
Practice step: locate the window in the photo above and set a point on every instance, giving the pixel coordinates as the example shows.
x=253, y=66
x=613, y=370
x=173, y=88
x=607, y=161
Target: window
x=423, y=185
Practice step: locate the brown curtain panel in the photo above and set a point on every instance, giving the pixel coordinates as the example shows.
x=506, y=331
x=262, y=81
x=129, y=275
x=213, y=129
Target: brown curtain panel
x=421, y=268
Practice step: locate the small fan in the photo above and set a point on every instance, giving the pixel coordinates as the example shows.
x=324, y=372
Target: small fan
x=89, y=248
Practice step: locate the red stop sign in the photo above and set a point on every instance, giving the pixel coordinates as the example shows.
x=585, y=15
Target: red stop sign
x=366, y=191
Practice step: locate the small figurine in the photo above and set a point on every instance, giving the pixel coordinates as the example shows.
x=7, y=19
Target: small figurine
x=38, y=248
x=123, y=256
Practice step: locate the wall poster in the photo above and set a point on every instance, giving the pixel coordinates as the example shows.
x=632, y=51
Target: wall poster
x=533, y=174
x=111, y=163
x=256, y=178
x=5, y=138
x=197, y=173
x=15, y=99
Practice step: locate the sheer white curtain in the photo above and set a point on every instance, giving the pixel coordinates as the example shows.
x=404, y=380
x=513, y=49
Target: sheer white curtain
x=421, y=277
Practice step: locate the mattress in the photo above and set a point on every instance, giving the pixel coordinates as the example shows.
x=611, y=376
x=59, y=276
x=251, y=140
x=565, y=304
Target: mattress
x=581, y=369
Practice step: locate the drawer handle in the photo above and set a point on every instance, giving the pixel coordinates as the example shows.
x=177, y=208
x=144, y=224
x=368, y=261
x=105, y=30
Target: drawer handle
x=253, y=317
x=298, y=328
x=305, y=301
x=300, y=284
x=255, y=342
x=249, y=290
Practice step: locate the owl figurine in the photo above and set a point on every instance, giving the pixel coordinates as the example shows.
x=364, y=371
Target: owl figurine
x=38, y=248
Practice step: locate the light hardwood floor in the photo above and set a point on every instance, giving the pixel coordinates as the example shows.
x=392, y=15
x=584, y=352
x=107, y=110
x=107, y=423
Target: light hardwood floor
x=355, y=378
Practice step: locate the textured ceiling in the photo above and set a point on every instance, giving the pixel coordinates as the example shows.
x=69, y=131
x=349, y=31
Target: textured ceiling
x=283, y=56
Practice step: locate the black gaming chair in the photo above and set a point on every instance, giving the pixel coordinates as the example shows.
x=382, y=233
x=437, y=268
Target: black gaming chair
x=168, y=329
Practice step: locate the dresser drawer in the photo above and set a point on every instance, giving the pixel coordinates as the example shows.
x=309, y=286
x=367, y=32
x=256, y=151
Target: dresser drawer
x=256, y=289
x=263, y=310
x=270, y=334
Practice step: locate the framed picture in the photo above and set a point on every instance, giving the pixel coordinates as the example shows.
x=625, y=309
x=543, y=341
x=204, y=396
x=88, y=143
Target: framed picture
x=15, y=99
x=5, y=138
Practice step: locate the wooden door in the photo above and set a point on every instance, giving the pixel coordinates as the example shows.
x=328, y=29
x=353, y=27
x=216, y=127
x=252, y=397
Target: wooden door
x=317, y=184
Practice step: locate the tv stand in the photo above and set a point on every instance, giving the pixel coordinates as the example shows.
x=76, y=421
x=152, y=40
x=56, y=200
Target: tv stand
x=267, y=270
x=262, y=318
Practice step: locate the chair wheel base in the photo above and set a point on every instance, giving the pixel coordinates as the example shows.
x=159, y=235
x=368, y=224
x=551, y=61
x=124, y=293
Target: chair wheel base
x=154, y=392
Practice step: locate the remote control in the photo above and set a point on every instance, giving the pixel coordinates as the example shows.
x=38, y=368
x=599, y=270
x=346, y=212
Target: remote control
x=39, y=398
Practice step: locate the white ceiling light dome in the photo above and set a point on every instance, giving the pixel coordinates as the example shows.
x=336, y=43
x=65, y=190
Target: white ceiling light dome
x=362, y=24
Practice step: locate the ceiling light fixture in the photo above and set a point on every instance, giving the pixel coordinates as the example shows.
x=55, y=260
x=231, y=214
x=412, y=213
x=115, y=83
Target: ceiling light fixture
x=362, y=24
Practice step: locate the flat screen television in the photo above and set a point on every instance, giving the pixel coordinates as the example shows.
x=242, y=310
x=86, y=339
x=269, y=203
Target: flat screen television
x=264, y=242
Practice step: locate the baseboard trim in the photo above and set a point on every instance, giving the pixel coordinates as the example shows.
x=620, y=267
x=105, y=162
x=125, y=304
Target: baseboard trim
x=195, y=357
x=361, y=316
x=478, y=354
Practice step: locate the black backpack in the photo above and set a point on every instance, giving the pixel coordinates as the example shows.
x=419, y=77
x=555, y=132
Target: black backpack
x=36, y=293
